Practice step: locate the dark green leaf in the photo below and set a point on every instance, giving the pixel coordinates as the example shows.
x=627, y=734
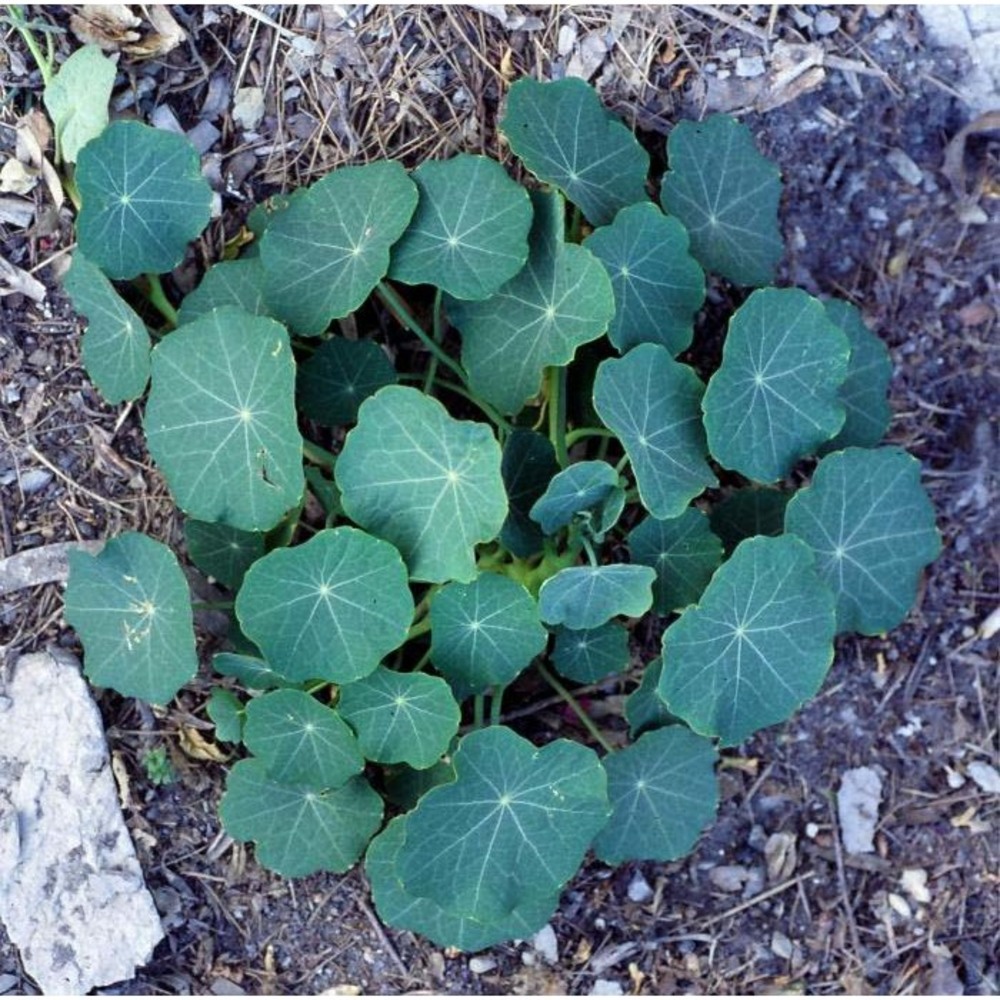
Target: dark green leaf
x=658, y=286
x=250, y=671
x=775, y=396
x=748, y=512
x=222, y=552
x=226, y=711
x=528, y=464
x=587, y=596
x=652, y=403
x=644, y=708
x=339, y=377
x=143, y=199
x=591, y=654
x=131, y=608
x=405, y=785
x=588, y=488
x=238, y=283
x=565, y=136
x=663, y=793
x=683, y=551
x=871, y=525
x=470, y=231
x=757, y=645
x=727, y=195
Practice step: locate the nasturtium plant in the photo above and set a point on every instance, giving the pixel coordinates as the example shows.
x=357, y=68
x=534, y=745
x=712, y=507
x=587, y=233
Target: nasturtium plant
x=449, y=441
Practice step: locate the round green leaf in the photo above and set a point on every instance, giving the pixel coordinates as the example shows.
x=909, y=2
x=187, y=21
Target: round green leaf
x=644, y=708
x=757, y=645
x=587, y=596
x=143, y=199
x=483, y=634
x=658, y=286
x=428, y=483
x=528, y=465
x=222, y=552
x=238, y=283
x=401, y=718
x=663, y=793
x=116, y=342
x=683, y=551
x=651, y=402
x=404, y=786
x=748, y=512
x=220, y=420
x=583, y=488
x=727, y=195
x=566, y=137
x=591, y=654
x=339, y=377
x=775, y=396
x=325, y=253
x=131, y=608
x=865, y=390
x=424, y=916
x=299, y=829
x=77, y=99
x=252, y=672
x=562, y=298
x=226, y=711
x=470, y=231
x=511, y=829
x=299, y=741
x=330, y=608
x=871, y=525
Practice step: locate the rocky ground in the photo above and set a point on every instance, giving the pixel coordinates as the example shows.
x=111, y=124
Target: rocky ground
x=882, y=206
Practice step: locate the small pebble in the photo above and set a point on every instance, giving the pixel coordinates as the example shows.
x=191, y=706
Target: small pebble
x=781, y=945
x=639, y=890
x=35, y=480
x=826, y=23
x=729, y=878
x=985, y=776
x=478, y=965
x=905, y=167
x=606, y=988
x=877, y=214
x=546, y=945
x=749, y=67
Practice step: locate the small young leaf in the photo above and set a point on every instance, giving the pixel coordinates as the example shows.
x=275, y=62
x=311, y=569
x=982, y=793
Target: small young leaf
x=683, y=551
x=663, y=793
x=587, y=596
x=424, y=481
x=226, y=711
x=748, y=512
x=528, y=465
x=77, y=99
x=238, y=283
x=143, y=199
x=251, y=672
x=590, y=488
x=483, y=634
x=644, y=708
x=865, y=390
x=324, y=253
x=658, y=286
x=774, y=398
x=727, y=195
x=871, y=525
x=222, y=552
x=220, y=420
x=401, y=718
x=339, y=377
x=510, y=830
x=424, y=916
x=470, y=231
x=116, y=343
x=299, y=829
x=131, y=608
x=757, y=645
x=591, y=654
x=561, y=299
x=299, y=741
x=566, y=137
x=652, y=403
x=330, y=608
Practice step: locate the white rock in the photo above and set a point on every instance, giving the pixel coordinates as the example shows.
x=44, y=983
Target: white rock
x=639, y=890
x=826, y=23
x=914, y=883
x=985, y=776
x=248, y=107
x=545, y=944
x=749, y=67
x=479, y=964
x=72, y=896
x=905, y=167
x=857, y=808
x=606, y=988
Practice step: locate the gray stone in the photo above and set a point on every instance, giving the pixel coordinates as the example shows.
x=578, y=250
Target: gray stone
x=545, y=944
x=748, y=67
x=826, y=23
x=72, y=896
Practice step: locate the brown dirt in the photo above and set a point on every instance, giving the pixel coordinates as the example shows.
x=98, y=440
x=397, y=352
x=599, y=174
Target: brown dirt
x=920, y=704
